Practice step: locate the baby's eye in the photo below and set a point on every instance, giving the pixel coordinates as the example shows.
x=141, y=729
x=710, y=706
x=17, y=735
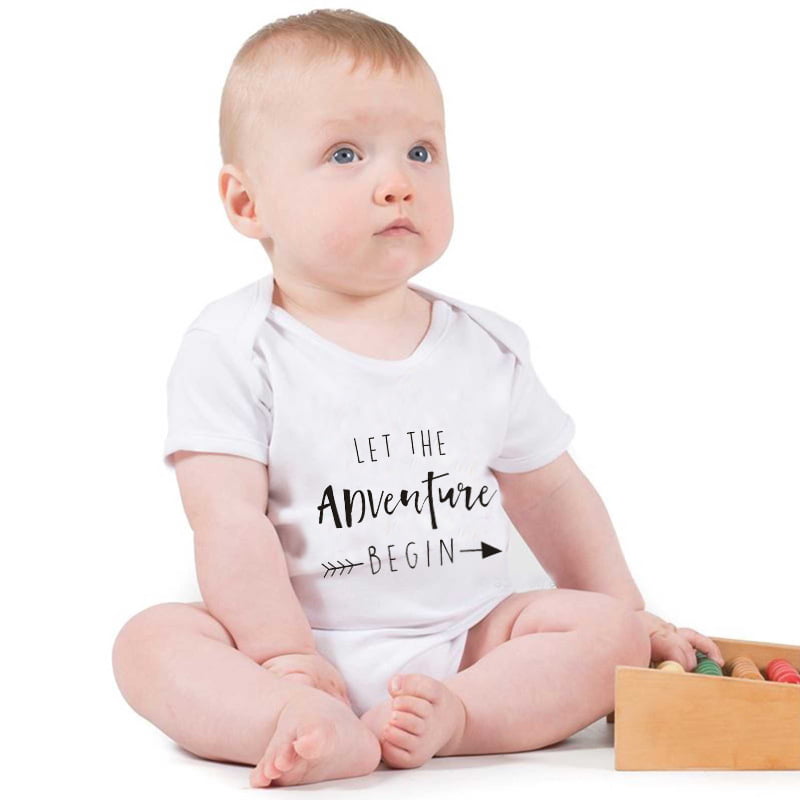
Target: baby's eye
x=343, y=150
x=421, y=148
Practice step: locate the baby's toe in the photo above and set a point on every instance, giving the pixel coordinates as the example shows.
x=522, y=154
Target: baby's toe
x=400, y=738
x=286, y=757
x=263, y=773
x=422, y=686
x=308, y=747
x=316, y=741
x=398, y=757
x=411, y=723
x=409, y=704
x=267, y=770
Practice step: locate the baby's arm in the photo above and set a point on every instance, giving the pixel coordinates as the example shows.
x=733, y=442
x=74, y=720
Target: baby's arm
x=241, y=567
x=565, y=523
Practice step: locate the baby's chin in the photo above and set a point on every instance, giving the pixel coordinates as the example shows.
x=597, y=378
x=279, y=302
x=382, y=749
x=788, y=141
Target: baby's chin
x=376, y=275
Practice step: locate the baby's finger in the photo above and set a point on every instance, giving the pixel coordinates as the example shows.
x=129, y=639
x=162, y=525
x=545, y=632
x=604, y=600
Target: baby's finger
x=687, y=659
x=703, y=644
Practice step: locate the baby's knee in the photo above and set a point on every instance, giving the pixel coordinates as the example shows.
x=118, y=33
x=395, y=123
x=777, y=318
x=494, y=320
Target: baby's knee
x=138, y=641
x=147, y=624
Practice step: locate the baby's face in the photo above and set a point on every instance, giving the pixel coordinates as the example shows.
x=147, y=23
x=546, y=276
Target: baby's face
x=338, y=157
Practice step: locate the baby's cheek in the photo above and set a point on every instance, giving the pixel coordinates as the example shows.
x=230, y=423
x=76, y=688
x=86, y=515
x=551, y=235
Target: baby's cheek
x=338, y=239
x=439, y=237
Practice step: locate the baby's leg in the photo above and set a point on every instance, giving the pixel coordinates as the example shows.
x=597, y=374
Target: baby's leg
x=539, y=667
x=552, y=673
x=178, y=667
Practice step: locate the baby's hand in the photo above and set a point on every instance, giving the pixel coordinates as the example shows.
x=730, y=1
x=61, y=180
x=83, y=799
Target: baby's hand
x=668, y=643
x=311, y=669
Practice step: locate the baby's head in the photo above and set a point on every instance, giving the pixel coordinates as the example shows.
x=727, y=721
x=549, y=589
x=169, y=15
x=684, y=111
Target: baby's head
x=331, y=127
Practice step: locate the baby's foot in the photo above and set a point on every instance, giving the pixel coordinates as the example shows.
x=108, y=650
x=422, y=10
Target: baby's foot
x=317, y=738
x=425, y=717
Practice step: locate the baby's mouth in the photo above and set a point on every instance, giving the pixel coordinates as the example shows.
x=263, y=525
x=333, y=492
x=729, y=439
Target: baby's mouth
x=399, y=224
x=396, y=232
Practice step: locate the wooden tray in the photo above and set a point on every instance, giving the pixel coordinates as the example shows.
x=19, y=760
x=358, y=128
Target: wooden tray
x=670, y=721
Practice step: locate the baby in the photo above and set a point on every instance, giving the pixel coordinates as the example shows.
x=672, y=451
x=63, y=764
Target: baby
x=353, y=452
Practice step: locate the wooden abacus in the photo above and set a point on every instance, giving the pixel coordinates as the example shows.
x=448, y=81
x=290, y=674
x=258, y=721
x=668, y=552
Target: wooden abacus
x=666, y=720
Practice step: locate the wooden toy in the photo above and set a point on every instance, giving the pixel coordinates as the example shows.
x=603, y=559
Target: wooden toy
x=669, y=720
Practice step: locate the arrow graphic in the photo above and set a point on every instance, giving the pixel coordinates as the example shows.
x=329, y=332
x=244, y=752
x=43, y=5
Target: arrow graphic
x=331, y=568
x=485, y=550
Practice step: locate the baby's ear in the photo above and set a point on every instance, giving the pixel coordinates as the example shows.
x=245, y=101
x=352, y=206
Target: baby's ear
x=239, y=204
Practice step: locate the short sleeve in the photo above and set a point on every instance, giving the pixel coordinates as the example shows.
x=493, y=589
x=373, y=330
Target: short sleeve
x=217, y=400
x=538, y=429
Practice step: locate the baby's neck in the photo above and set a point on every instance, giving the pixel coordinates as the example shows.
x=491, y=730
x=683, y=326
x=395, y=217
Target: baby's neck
x=389, y=325
x=306, y=300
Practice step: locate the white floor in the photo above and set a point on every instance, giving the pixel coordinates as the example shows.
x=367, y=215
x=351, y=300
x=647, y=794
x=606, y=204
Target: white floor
x=142, y=762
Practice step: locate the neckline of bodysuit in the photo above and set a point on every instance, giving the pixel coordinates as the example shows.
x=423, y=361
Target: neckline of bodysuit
x=440, y=317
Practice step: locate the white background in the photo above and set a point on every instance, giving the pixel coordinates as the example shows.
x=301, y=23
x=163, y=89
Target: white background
x=625, y=180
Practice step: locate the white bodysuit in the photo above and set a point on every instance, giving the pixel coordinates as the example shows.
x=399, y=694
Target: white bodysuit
x=380, y=481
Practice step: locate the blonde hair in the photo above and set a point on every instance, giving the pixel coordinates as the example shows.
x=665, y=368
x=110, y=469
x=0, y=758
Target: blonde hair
x=318, y=35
